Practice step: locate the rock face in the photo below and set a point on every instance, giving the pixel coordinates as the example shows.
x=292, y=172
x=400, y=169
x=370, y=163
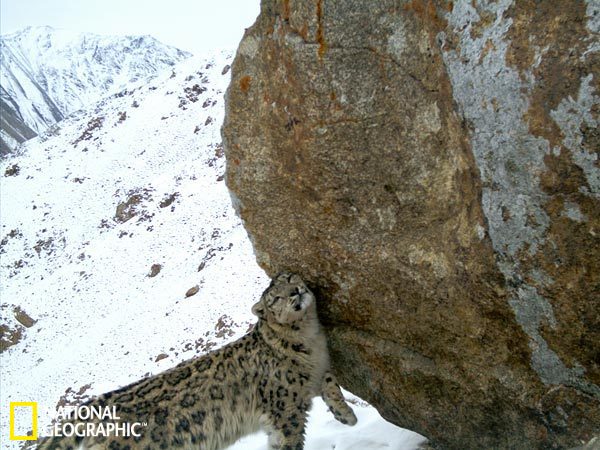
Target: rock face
x=431, y=168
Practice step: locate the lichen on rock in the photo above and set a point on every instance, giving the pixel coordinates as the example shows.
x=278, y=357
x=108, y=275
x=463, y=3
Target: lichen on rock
x=433, y=179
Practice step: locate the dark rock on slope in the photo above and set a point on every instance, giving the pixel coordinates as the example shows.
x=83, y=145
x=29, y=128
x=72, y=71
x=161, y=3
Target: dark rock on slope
x=431, y=168
x=13, y=125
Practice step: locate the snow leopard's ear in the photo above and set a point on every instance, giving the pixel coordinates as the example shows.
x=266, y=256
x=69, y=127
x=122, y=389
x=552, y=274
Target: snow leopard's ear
x=258, y=309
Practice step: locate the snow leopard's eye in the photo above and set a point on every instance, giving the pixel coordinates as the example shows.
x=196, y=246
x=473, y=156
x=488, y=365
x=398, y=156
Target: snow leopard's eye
x=295, y=279
x=283, y=276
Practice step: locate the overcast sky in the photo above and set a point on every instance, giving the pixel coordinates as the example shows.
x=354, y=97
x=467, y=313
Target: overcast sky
x=193, y=25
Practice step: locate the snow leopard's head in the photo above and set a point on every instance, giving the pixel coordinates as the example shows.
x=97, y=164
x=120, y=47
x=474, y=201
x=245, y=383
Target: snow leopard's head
x=285, y=301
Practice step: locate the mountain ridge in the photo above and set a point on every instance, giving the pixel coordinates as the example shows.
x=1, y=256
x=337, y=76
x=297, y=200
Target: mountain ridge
x=48, y=73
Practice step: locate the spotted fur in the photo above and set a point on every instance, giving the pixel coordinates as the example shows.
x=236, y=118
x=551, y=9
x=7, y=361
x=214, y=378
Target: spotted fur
x=266, y=379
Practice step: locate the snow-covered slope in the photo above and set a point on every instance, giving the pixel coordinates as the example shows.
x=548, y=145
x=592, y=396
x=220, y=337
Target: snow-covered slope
x=48, y=73
x=108, y=220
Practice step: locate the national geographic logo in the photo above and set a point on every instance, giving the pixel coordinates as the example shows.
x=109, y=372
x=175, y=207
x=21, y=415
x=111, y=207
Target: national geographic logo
x=18, y=414
x=80, y=421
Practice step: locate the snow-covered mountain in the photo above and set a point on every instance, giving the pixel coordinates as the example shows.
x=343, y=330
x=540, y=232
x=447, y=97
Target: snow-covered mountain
x=120, y=255
x=48, y=73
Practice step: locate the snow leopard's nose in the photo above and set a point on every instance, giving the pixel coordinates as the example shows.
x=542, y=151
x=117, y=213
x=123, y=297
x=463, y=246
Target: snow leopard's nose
x=296, y=300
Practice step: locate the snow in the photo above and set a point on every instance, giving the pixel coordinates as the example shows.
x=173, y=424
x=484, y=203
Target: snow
x=20, y=87
x=325, y=433
x=8, y=139
x=79, y=271
x=51, y=73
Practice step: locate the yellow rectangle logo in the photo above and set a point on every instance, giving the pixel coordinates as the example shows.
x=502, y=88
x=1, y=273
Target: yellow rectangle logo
x=34, y=417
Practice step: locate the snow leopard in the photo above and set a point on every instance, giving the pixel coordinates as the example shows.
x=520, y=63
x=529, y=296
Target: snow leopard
x=264, y=380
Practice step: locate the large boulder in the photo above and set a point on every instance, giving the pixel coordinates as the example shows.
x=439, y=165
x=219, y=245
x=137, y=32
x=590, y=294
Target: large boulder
x=431, y=169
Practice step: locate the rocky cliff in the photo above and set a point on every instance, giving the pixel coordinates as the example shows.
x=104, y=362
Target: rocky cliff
x=431, y=168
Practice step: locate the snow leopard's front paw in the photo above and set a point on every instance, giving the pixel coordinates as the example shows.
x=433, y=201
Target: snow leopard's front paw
x=334, y=399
